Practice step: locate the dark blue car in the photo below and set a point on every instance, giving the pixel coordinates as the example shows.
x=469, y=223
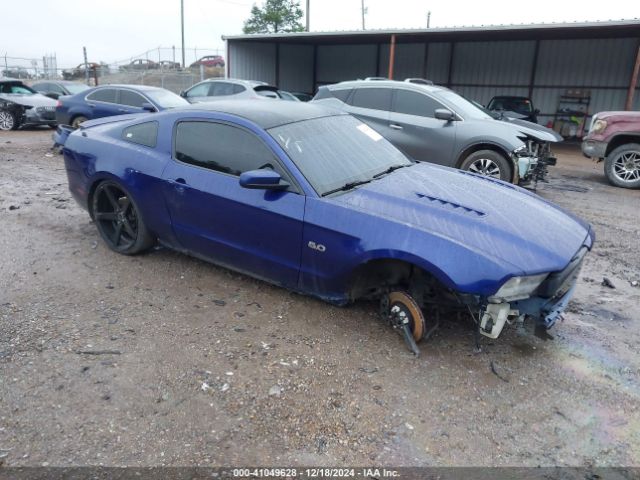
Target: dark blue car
x=317, y=202
x=110, y=100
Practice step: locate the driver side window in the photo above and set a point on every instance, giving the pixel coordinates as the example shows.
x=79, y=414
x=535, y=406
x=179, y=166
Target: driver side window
x=223, y=148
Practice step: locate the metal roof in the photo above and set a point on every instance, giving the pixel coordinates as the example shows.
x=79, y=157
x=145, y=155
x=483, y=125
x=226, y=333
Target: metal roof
x=595, y=29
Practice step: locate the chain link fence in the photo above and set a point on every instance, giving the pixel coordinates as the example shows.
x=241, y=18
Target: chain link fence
x=159, y=69
x=175, y=81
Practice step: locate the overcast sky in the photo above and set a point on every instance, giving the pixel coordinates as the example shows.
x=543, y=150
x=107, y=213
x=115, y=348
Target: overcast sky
x=121, y=29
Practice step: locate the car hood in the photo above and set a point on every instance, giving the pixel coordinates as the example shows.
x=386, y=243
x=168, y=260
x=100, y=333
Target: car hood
x=36, y=100
x=623, y=116
x=531, y=129
x=489, y=217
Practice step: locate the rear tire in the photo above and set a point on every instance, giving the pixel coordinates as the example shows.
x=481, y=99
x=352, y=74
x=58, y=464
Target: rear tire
x=488, y=163
x=75, y=123
x=118, y=219
x=622, y=166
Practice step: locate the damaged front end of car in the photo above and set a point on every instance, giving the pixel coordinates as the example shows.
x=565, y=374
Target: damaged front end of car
x=541, y=298
x=533, y=159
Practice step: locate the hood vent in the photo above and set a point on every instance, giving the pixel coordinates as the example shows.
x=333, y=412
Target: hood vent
x=451, y=205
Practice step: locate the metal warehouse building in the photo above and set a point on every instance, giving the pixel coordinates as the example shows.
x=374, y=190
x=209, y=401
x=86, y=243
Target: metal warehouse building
x=545, y=62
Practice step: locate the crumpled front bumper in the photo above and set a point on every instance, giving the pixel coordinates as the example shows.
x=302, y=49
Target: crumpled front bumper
x=594, y=149
x=39, y=116
x=545, y=311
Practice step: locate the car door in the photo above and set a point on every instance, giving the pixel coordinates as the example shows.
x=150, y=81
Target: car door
x=102, y=103
x=414, y=129
x=130, y=101
x=372, y=106
x=253, y=231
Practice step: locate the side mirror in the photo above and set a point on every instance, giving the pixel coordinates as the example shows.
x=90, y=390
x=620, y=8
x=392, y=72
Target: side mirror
x=183, y=93
x=263, y=179
x=52, y=95
x=537, y=111
x=148, y=107
x=445, y=114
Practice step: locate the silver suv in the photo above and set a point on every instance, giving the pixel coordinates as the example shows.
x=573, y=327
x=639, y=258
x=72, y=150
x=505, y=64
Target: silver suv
x=434, y=124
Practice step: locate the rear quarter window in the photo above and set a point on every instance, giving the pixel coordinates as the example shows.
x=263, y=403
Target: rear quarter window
x=103, y=95
x=142, y=134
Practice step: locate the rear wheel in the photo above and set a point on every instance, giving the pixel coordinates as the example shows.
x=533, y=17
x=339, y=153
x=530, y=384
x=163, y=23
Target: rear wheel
x=488, y=163
x=118, y=220
x=78, y=120
x=8, y=121
x=622, y=166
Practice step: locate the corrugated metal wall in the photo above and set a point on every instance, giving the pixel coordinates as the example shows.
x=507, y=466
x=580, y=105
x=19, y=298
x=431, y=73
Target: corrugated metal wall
x=480, y=70
x=252, y=61
x=342, y=62
x=296, y=68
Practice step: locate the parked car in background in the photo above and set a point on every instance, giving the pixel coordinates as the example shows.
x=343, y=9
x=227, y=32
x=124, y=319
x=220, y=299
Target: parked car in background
x=209, y=61
x=79, y=71
x=56, y=88
x=140, y=64
x=109, y=100
x=339, y=212
x=168, y=65
x=229, y=88
x=23, y=106
x=434, y=124
x=520, y=105
x=615, y=138
x=16, y=72
x=303, y=97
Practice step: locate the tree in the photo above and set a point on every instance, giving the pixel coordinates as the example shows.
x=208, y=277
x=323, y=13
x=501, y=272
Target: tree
x=275, y=16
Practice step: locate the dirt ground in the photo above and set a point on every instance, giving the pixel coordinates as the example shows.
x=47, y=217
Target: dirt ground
x=201, y=366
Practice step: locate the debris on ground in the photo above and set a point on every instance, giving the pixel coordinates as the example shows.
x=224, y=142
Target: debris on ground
x=607, y=283
x=275, y=391
x=496, y=373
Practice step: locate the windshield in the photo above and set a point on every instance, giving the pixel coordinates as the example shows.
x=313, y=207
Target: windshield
x=462, y=106
x=513, y=104
x=332, y=152
x=480, y=107
x=166, y=99
x=74, y=88
x=16, y=89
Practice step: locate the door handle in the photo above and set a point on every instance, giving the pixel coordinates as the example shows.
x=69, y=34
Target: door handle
x=92, y=105
x=395, y=126
x=123, y=110
x=181, y=181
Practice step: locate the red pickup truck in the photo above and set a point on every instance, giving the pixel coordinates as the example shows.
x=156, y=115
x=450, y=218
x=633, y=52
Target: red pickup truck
x=615, y=138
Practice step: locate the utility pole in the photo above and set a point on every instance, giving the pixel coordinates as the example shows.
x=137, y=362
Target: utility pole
x=182, y=26
x=429, y=19
x=86, y=66
x=308, y=1
x=364, y=10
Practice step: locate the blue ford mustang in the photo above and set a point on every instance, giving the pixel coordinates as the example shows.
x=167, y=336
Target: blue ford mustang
x=316, y=201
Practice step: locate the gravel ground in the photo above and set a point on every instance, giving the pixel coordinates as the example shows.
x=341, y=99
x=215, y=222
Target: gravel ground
x=186, y=363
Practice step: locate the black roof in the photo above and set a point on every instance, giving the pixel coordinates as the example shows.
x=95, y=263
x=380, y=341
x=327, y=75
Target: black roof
x=268, y=113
